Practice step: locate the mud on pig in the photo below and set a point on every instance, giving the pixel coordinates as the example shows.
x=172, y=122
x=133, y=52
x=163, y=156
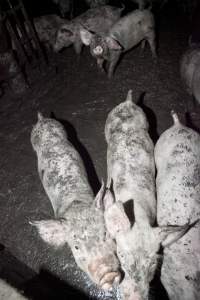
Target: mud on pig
x=78, y=221
x=177, y=156
x=131, y=173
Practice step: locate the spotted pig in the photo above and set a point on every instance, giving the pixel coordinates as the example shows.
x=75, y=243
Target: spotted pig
x=98, y=20
x=130, y=203
x=177, y=156
x=138, y=26
x=77, y=219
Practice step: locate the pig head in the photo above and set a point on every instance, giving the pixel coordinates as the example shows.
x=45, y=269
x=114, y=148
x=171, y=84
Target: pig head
x=78, y=219
x=137, y=246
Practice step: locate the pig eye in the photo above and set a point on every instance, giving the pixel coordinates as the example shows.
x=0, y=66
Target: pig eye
x=76, y=247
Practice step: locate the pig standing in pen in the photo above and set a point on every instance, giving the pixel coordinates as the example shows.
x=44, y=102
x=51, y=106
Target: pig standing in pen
x=177, y=156
x=78, y=221
x=131, y=174
x=138, y=26
x=98, y=20
x=190, y=71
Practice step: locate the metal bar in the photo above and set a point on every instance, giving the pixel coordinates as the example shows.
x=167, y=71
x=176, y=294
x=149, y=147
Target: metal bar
x=16, y=39
x=32, y=30
x=18, y=23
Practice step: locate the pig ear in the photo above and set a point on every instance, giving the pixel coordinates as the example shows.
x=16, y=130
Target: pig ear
x=115, y=217
x=86, y=36
x=53, y=232
x=113, y=44
x=40, y=116
x=167, y=235
x=98, y=201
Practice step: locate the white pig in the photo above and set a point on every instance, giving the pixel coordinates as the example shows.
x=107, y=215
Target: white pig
x=190, y=71
x=78, y=221
x=131, y=170
x=138, y=26
x=98, y=20
x=177, y=156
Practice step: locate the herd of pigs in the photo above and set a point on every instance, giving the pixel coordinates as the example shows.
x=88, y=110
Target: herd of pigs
x=117, y=248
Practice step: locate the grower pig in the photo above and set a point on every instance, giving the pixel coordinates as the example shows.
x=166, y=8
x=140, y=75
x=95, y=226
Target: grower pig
x=177, y=156
x=190, y=71
x=78, y=221
x=131, y=170
x=138, y=26
x=98, y=20
x=96, y=3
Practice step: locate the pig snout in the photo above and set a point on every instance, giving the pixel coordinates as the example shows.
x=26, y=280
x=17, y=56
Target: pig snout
x=103, y=273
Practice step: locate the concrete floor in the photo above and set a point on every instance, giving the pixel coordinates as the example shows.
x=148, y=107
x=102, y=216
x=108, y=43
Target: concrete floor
x=80, y=97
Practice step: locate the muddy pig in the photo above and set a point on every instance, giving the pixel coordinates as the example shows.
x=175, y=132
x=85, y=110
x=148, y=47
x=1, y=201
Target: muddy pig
x=131, y=174
x=190, y=71
x=177, y=156
x=98, y=20
x=138, y=26
x=78, y=221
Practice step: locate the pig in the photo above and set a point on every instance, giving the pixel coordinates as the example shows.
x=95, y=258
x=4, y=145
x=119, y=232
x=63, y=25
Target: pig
x=98, y=20
x=46, y=27
x=131, y=178
x=78, y=220
x=66, y=7
x=96, y=3
x=190, y=71
x=9, y=292
x=177, y=157
x=138, y=26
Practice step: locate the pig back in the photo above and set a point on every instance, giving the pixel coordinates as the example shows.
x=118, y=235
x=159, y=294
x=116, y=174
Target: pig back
x=64, y=177
x=132, y=28
x=177, y=156
x=98, y=19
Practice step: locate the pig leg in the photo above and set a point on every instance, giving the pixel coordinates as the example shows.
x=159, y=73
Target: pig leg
x=142, y=46
x=115, y=55
x=78, y=46
x=100, y=62
x=151, y=40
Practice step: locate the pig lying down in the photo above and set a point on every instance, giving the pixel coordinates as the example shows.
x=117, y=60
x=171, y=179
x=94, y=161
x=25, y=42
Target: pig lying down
x=138, y=26
x=190, y=71
x=131, y=170
x=177, y=156
x=98, y=20
x=78, y=220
